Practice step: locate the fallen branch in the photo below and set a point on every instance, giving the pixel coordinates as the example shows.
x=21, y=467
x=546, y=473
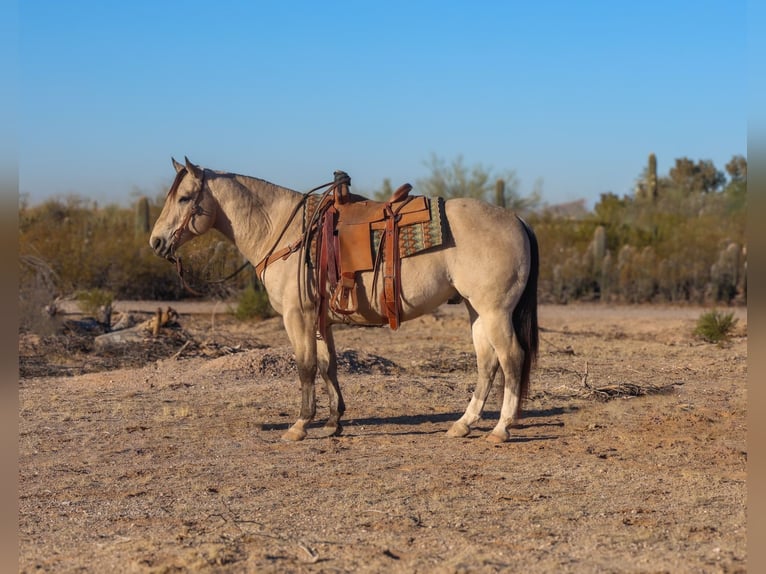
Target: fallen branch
x=181, y=350
x=619, y=390
x=607, y=392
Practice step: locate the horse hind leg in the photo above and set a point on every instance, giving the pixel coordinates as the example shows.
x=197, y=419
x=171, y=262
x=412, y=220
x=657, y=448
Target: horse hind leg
x=511, y=358
x=487, y=365
x=328, y=369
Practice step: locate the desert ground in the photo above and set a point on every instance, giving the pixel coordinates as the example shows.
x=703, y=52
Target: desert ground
x=166, y=457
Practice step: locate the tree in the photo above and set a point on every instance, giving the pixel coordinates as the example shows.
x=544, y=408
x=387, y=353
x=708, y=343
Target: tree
x=385, y=192
x=737, y=168
x=610, y=210
x=700, y=177
x=457, y=180
x=736, y=191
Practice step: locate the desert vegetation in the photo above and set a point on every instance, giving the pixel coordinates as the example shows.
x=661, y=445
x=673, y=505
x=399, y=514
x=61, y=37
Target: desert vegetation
x=678, y=237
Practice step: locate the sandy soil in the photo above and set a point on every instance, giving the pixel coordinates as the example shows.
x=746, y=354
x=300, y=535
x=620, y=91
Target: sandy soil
x=174, y=462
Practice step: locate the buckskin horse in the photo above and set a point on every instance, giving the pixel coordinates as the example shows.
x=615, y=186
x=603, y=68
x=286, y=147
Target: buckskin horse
x=489, y=259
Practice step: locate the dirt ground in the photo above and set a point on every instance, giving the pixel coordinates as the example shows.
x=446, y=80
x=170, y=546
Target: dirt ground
x=631, y=455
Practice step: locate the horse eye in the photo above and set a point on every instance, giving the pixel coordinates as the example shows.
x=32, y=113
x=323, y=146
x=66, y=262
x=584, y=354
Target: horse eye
x=185, y=199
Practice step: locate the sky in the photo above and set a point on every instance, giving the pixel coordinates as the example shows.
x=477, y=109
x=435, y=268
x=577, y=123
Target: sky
x=570, y=96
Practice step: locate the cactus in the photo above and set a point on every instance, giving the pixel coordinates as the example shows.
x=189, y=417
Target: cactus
x=596, y=254
x=724, y=273
x=500, y=193
x=599, y=243
x=142, y=216
x=651, y=178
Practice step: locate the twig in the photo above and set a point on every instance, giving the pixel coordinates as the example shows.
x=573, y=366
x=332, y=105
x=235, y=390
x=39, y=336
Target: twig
x=585, y=377
x=313, y=555
x=181, y=350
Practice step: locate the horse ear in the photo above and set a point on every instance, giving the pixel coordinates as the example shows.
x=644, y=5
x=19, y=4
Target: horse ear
x=193, y=169
x=177, y=166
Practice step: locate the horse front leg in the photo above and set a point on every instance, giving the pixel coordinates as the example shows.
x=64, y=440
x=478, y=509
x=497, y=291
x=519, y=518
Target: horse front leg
x=328, y=369
x=300, y=330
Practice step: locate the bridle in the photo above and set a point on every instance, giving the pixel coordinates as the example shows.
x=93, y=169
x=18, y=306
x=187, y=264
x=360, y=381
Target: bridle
x=272, y=255
x=194, y=209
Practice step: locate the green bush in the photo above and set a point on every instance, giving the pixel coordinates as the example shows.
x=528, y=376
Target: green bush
x=84, y=247
x=253, y=304
x=715, y=326
x=91, y=300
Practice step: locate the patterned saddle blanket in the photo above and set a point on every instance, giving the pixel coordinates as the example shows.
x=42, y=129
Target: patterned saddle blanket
x=358, y=235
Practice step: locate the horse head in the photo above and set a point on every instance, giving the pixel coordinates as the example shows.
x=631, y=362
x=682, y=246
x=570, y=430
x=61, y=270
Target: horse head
x=189, y=210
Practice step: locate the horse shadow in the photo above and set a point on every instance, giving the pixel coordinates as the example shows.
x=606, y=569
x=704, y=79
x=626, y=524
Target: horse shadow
x=531, y=419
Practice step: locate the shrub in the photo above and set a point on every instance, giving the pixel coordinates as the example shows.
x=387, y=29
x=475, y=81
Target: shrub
x=92, y=300
x=715, y=326
x=253, y=304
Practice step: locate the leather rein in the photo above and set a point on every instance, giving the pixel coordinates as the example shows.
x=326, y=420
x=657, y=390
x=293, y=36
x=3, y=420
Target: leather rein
x=272, y=255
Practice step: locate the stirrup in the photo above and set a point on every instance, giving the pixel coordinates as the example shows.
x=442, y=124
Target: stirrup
x=343, y=299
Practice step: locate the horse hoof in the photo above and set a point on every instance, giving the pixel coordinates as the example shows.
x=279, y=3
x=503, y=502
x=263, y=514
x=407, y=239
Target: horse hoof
x=330, y=430
x=458, y=430
x=495, y=438
x=294, y=435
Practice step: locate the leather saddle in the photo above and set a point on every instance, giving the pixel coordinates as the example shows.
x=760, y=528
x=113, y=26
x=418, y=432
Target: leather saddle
x=356, y=235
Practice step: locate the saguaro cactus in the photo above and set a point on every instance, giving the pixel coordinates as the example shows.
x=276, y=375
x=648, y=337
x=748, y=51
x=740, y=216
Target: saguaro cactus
x=651, y=178
x=599, y=243
x=142, y=216
x=595, y=257
x=725, y=272
x=500, y=192
x=594, y=254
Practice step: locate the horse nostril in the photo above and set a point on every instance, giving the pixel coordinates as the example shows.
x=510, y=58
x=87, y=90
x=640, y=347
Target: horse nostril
x=156, y=244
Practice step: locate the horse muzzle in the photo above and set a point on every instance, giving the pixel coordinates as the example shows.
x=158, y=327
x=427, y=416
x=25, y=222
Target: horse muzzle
x=163, y=248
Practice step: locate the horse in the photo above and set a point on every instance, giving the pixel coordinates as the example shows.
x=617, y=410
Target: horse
x=490, y=262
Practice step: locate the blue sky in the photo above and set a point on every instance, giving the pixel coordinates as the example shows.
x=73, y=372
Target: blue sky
x=575, y=94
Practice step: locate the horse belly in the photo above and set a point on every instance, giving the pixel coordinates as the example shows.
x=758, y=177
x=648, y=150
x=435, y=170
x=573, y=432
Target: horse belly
x=425, y=285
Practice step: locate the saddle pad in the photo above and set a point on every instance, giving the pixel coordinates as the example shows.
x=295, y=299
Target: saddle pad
x=420, y=236
x=413, y=237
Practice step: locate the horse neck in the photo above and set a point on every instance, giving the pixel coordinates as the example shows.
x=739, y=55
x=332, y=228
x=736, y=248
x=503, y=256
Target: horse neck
x=252, y=212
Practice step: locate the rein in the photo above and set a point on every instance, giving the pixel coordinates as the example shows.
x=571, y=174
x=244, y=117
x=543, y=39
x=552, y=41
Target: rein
x=271, y=256
x=285, y=252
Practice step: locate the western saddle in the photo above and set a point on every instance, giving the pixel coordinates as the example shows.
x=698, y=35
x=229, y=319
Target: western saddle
x=347, y=245
x=349, y=234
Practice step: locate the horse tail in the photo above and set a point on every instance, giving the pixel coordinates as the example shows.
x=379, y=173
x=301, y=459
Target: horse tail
x=525, y=315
